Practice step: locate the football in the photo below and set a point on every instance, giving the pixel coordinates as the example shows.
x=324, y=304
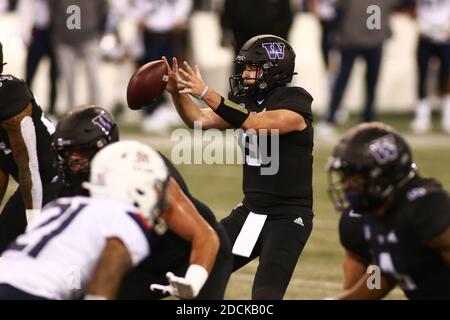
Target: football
x=147, y=84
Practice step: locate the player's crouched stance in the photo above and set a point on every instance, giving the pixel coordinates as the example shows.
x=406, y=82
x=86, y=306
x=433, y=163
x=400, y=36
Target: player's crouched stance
x=98, y=238
x=397, y=219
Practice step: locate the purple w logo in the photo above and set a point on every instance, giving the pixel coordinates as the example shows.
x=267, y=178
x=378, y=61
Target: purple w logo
x=384, y=149
x=103, y=123
x=275, y=50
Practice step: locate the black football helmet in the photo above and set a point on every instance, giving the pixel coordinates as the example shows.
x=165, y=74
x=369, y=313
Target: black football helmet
x=273, y=55
x=369, y=163
x=1, y=58
x=79, y=135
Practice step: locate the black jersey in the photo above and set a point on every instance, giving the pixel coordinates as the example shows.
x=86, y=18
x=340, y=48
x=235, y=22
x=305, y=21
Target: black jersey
x=169, y=251
x=289, y=188
x=14, y=98
x=399, y=240
x=351, y=235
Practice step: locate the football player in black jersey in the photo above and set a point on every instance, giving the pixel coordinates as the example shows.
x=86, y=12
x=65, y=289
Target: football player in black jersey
x=25, y=154
x=79, y=135
x=280, y=202
x=406, y=224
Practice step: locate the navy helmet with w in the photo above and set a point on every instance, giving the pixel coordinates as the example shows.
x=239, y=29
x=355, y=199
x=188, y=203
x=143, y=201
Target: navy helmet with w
x=273, y=55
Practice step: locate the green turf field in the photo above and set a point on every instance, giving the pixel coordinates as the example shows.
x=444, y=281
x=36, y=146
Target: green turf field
x=318, y=273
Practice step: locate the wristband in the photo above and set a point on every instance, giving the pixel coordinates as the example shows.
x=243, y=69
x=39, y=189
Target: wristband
x=232, y=113
x=94, y=297
x=202, y=95
x=31, y=213
x=196, y=275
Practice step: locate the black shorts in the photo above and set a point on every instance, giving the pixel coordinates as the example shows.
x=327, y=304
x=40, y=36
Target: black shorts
x=278, y=247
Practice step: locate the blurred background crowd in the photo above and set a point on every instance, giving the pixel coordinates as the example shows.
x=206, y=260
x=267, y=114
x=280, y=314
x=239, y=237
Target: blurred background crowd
x=352, y=58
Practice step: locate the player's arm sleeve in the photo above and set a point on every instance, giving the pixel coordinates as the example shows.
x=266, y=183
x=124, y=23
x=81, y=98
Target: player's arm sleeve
x=431, y=216
x=114, y=262
x=351, y=236
x=184, y=220
x=131, y=232
x=297, y=100
x=22, y=136
x=435, y=217
x=289, y=110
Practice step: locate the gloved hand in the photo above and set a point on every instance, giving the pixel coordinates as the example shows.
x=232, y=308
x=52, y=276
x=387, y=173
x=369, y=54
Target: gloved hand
x=184, y=288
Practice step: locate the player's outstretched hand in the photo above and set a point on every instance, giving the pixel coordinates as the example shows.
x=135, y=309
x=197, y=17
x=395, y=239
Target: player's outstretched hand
x=190, y=80
x=173, y=75
x=178, y=287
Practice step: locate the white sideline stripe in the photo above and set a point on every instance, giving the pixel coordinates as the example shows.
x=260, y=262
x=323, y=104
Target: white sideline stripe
x=303, y=282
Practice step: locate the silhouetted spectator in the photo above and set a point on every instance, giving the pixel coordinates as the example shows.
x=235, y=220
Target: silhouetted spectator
x=35, y=17
x=163, y=24
x=360, y=33
x=433, y=18
x=246, y=19
x=73, y=44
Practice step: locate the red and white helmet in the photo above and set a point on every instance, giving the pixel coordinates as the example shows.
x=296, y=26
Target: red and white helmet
x=132, y=172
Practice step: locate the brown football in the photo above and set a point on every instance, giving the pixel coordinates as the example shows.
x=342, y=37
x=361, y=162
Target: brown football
x=147, y=84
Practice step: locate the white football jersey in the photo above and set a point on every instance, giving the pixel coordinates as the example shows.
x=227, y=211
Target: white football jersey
x=57, y=255
x=433, y=17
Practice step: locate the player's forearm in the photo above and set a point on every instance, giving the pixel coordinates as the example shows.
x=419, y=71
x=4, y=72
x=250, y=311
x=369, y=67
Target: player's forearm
x=111, y=268
x=256, y=123
x=361, y=290
x=354, y=269
x=204, y=250
x=187, y=109
x=4, y=178
x=27, y=189
x=191, y=114
x=275, y=122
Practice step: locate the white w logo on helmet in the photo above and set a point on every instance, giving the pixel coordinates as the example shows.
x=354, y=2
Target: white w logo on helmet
x=103, y=123
x=275, y=50
x=384, y=149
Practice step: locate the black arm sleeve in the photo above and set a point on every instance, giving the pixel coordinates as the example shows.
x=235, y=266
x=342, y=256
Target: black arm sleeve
x=431, y=216
x=351, y=235
x=295, y=99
